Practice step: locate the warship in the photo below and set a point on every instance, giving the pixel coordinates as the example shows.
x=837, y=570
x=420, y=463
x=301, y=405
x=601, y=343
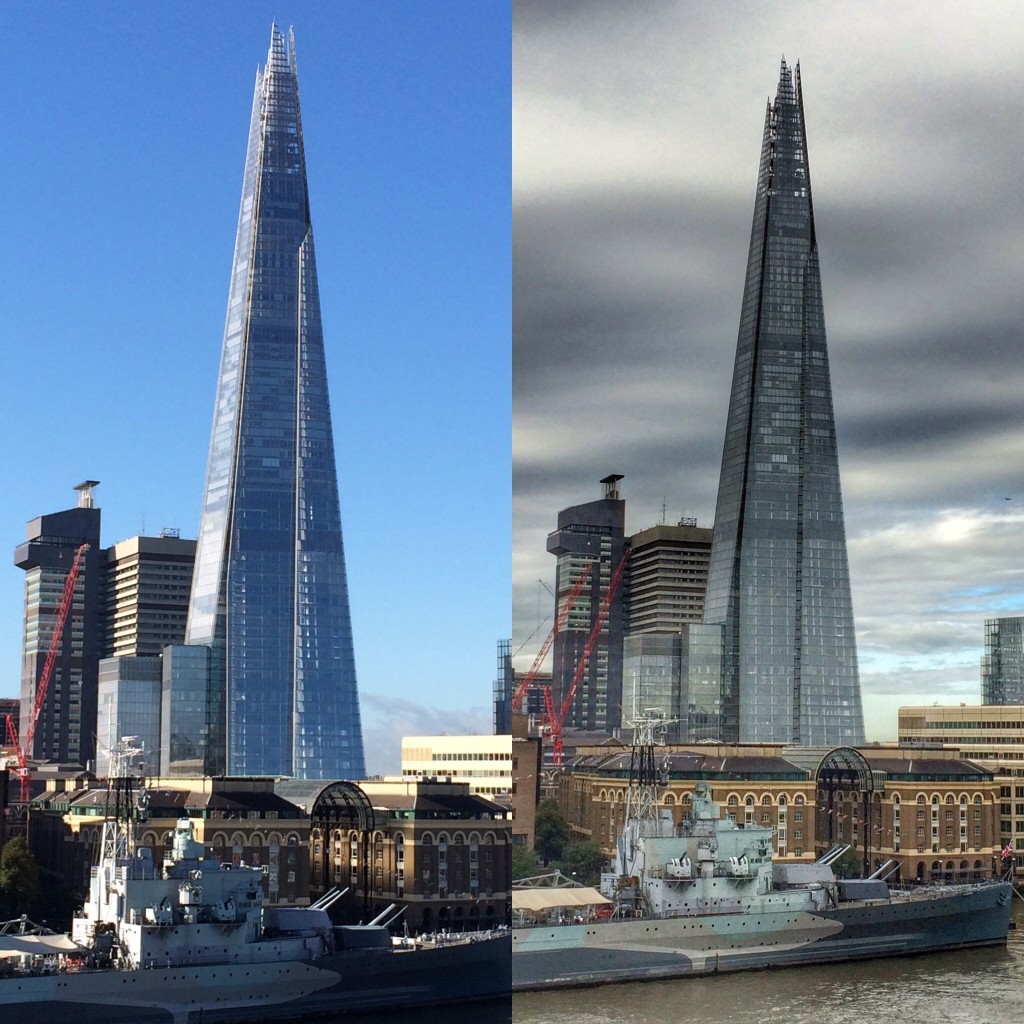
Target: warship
x=191, y=942
x=704, y=896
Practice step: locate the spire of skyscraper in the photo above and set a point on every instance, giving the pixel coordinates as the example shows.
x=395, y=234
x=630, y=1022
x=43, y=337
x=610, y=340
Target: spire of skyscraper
x=779, y=583
x=270, y=596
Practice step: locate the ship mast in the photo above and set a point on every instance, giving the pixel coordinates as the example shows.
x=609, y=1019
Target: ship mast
x=642, y=795
x=124, y=808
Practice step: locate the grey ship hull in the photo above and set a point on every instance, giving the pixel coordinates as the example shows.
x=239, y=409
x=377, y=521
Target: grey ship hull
x=235, y=993
x=618, y=951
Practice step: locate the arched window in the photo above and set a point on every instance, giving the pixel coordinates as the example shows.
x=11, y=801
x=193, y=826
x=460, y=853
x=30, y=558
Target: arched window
x=766, y=800
x=427, y=839
x=799, y=800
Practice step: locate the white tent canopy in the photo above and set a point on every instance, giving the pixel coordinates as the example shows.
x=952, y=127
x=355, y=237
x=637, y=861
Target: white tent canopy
x=551, y=898
x=35, y=945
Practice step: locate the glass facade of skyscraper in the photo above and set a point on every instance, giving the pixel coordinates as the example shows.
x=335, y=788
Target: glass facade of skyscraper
x=1002, y=668
x=778, y=581
x=269, y=595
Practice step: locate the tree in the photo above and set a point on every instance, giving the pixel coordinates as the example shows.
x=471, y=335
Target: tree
x=19, y=875
x=583, y=861
x=524, y=863
x=551, y=831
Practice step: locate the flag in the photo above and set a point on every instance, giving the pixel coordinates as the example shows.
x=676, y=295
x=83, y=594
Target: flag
x=1008, y=850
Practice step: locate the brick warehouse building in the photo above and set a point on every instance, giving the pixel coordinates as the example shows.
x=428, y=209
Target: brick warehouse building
x=932, y=812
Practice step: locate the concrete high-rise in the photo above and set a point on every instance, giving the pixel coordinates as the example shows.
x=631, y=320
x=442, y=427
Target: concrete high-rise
x=665, y=585
x=149, y=580
x=269, y=596
x=591, y=535
x=66, y=728
x=779, y=583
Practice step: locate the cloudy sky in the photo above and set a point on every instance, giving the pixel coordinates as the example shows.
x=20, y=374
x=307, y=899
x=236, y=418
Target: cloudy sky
x=636, y=137
x=125, y=132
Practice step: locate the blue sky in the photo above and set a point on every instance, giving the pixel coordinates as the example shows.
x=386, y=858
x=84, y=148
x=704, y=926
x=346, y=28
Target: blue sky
x=126, y=127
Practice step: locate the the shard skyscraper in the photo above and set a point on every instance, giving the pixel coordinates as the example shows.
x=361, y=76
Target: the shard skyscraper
x=269, y=596
x=779, y=584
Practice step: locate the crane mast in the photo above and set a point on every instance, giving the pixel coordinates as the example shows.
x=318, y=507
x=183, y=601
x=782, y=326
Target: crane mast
x=23, y=747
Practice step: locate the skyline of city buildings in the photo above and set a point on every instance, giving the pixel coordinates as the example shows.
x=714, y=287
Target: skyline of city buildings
x=270, y=596
x=779, y=582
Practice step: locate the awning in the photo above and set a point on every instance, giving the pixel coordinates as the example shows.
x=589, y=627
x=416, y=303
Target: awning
x=36, y=945
x=550, y=898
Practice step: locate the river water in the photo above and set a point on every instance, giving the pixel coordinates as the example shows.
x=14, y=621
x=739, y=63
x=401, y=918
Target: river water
x=981, y=986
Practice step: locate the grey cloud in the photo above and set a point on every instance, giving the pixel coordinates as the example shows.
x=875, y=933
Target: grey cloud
x=631, y=229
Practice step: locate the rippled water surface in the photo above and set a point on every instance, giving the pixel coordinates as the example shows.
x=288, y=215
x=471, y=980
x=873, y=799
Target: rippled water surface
x=972, y=987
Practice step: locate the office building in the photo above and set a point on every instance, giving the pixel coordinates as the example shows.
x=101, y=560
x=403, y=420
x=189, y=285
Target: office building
x=666, y=577
x=484, y=762
x=128, y=705
x=504, y=685
x=778, y=584
x=1002, y=667
x=66, y=726
x=590, y=538
x=665, y=583
x=147, y=591
x=270, y=597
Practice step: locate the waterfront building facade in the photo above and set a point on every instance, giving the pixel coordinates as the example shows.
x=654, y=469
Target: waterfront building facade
x=1002, y=667
x=269, y=596
x=778, y=583
x=933, y=812
x=990, y=735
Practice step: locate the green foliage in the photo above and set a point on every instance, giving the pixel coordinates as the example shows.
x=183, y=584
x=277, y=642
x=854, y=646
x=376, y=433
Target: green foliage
x=19, y=876
x=551, y=831
x=524, y=863
x=850, y=865
x=583, y=861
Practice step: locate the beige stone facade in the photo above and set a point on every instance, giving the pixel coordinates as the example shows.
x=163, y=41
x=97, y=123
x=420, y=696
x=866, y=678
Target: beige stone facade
x=991, y=735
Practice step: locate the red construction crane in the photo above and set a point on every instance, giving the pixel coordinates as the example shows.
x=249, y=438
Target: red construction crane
x=557, y=721
x=23, y=750
x=560, y=621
